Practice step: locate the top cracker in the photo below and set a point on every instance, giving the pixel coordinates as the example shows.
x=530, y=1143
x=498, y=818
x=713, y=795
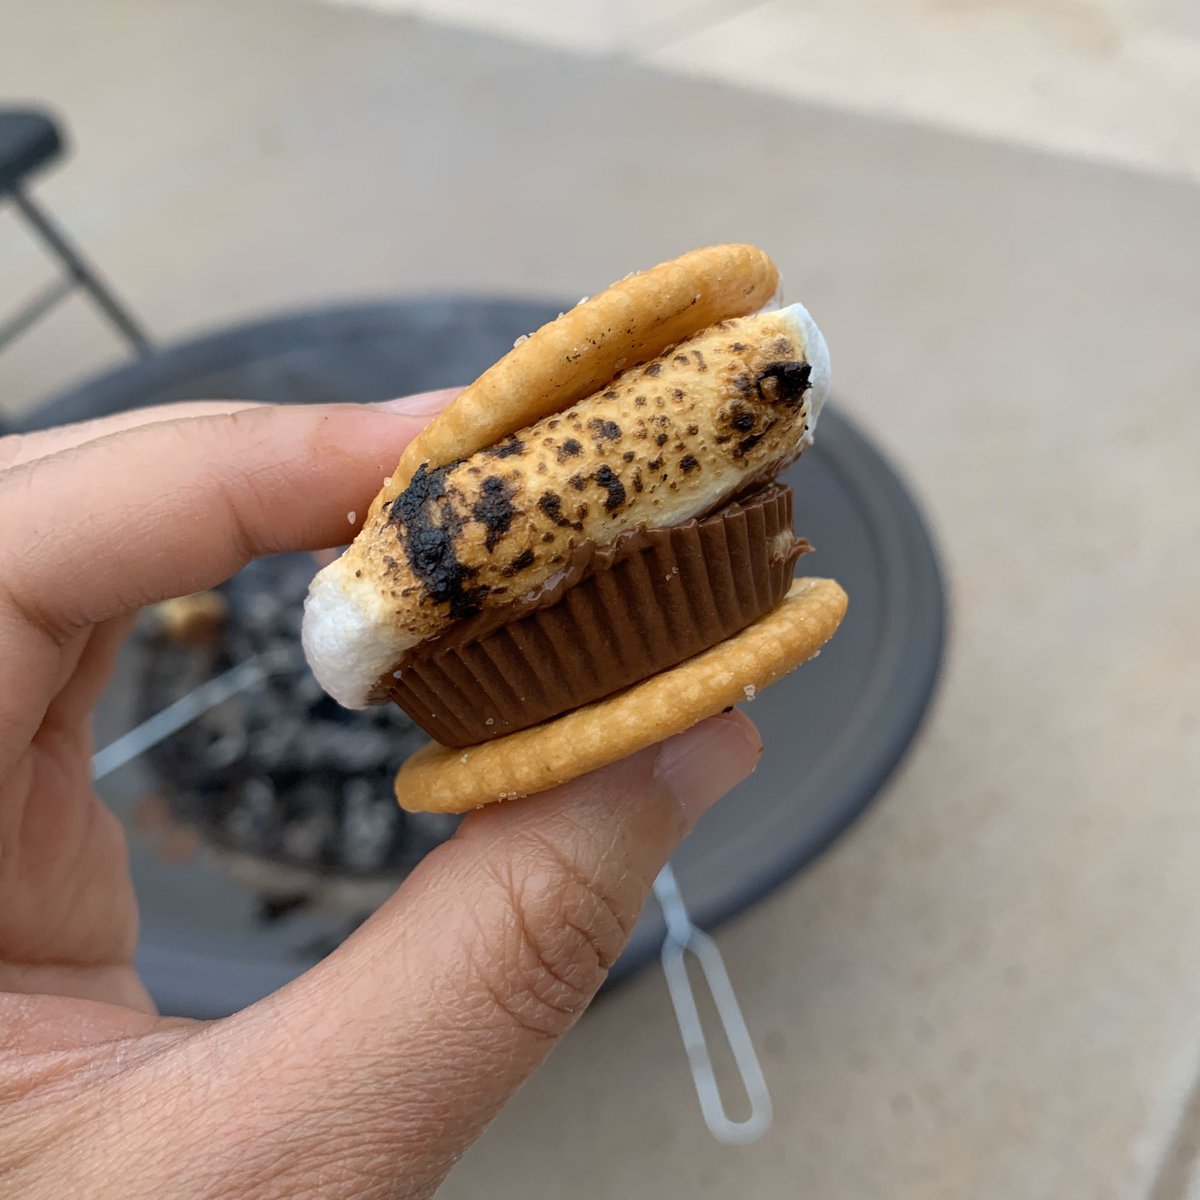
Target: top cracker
x=583, y=350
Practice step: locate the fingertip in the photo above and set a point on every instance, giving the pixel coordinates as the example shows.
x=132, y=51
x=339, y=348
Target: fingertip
x=420, y=404
x=708, y=761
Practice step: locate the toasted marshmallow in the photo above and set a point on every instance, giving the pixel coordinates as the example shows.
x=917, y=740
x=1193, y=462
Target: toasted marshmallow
x=667, y=441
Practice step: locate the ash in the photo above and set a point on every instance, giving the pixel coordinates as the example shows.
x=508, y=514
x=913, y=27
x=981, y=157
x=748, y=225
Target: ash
x=281, y=773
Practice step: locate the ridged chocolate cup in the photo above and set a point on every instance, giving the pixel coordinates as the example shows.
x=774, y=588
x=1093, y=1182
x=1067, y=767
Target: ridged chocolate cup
x=654, y=599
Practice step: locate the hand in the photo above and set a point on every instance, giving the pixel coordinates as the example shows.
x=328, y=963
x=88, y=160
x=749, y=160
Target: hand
x=372, y=1073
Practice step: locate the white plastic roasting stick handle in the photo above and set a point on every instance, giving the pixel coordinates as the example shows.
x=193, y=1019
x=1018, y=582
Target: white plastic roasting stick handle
x=684, y=937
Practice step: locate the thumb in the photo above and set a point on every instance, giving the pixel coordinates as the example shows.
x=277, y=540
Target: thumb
x=391, y=1055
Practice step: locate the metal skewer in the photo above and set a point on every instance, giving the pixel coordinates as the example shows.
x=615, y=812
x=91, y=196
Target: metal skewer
x=185, y=710
x=684, y=937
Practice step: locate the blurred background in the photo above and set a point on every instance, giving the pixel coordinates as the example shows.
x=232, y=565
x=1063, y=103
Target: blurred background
x=990, y=987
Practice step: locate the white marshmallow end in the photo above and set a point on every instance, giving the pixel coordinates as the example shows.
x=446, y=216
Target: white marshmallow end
x=347, y=645
x=816, y=352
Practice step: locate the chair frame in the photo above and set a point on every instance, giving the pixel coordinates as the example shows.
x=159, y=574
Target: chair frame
x=79, y=274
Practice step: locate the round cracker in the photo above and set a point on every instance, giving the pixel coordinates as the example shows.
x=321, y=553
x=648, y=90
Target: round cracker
x=440, y=779
x=583, y=350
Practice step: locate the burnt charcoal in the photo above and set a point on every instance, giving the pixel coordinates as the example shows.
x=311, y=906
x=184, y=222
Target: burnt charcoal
x=224, y=749
x=254, y=819
x=431, y=829
x=276, y=744
x=358, y=749
x=281, y=771
x=268, y=703
x=369, y=827
x=327, y=709
x=308, y=690
x=274, y=908
x=325, y=944
x=288, y=624
x=262, y=612
x=311, y=829
x=318, y=747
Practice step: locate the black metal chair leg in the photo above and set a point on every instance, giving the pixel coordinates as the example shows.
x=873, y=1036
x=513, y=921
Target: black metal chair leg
x=83, y=274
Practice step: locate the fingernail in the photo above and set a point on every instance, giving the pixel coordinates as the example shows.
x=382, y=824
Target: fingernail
x=423, y=404
x=700, y=766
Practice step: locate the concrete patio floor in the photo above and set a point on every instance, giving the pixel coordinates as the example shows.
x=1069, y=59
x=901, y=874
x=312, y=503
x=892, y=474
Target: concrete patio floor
x=991, y=987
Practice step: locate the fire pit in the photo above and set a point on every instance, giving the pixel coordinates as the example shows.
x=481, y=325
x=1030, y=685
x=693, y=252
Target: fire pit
x=291, y=792
x=262, y=832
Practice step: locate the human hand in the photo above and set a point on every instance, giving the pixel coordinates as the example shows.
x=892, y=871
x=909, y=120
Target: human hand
x=370, y=1074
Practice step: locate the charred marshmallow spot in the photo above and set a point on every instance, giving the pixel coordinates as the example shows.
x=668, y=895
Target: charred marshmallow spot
x=494, y=509
x=522, y=562
x=428, y=529
x=507, y=448
x=742, y=418
x=606, y=477
x=551, y=504
x=784, y=383
x=604, y=430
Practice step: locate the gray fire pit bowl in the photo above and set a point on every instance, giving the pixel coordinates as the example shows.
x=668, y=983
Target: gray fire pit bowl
x=833, y=730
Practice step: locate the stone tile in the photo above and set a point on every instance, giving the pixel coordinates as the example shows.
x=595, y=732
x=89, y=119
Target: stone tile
x=593, y=25
x=1178, y=1175
x=1114, y=79
x=1173, y=16
x=596, y=26
x=990, y=988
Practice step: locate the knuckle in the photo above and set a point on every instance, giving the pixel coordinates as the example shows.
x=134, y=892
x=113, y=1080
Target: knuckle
x=12, y=450
x=565, y=927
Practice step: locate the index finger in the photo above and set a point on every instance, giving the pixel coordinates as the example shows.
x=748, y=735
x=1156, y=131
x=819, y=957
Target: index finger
x=17, y=449
x=178, y=505
x=170, y=508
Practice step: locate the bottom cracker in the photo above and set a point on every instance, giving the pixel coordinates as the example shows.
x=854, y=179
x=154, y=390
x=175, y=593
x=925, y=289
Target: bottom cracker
x=439, y=779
